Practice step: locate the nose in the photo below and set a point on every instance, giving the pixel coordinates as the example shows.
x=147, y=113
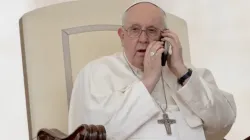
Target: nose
x=143, y=38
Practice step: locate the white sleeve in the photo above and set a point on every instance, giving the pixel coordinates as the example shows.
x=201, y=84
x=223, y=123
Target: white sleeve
x=215, y=107
x=121, y=112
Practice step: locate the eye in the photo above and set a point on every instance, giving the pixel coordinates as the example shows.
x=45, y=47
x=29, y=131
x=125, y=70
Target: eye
x=152, y=30
x=135, y=28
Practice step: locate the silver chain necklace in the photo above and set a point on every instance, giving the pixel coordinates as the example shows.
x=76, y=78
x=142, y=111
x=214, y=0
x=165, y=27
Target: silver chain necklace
x=165, y=119
x=163, y=110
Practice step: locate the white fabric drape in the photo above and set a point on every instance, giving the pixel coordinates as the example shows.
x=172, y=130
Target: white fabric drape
x=220, y=28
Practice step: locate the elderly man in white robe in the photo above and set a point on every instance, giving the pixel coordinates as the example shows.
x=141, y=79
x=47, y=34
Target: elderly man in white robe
x=135, y=97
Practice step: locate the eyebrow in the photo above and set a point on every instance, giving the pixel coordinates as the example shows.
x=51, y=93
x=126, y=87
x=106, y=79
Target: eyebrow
x=136, y=24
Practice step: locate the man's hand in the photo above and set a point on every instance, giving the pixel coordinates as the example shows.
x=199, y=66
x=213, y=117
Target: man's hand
x=152, y=64
x=175, y=60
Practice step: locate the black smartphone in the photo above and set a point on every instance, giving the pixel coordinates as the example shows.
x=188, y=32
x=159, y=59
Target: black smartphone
x=164, y=55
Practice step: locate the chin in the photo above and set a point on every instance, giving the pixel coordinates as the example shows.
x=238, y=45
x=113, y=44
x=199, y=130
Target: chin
x=140, y=60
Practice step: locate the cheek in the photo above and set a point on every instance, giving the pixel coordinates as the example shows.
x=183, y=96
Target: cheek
x=130, y=43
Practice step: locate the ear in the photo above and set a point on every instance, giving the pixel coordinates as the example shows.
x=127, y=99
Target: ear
x=121, y=33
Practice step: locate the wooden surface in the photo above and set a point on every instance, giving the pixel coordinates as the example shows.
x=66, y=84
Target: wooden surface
x=83, y=132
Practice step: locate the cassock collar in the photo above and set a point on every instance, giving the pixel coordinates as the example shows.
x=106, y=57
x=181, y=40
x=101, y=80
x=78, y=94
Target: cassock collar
x=137, y=71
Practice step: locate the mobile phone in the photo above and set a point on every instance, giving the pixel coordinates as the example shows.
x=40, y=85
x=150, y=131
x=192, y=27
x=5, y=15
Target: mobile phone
x=164, y=55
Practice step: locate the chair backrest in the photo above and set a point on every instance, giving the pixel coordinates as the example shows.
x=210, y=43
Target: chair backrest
x=57, y=41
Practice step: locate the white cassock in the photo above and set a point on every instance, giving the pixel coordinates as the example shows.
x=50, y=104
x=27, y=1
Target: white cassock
x=106, y=92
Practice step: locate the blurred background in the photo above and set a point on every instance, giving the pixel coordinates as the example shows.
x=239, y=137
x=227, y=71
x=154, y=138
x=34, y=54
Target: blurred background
x=218, y=33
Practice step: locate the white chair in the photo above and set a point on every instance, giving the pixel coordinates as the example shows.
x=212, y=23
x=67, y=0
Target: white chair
x=57, y=41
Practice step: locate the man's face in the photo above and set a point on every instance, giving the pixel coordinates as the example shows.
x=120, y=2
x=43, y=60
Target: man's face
x=143, y=24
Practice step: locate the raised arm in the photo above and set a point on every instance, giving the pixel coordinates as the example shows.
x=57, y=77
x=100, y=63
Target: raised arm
x=122, y=112
x=215, y=107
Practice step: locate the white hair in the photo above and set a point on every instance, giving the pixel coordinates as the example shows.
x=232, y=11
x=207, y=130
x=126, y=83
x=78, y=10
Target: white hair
x=124, y=15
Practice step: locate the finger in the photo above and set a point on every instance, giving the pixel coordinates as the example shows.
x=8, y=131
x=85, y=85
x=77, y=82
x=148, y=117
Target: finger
x=170, y=31
x=173, y=44
x=157, y=46
x=147, y=53
x=172, y=35
x=159, y=52
x=169, y=60
x=149, y=47
x=174, y=47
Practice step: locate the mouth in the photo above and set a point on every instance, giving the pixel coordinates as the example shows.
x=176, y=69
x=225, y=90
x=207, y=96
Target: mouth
x=142, y=51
